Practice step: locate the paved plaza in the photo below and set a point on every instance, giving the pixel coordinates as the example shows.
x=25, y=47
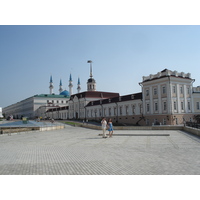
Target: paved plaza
x=81, y=151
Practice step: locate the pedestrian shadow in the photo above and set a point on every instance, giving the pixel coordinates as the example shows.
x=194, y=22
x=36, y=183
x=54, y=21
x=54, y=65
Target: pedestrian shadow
x=94, y=138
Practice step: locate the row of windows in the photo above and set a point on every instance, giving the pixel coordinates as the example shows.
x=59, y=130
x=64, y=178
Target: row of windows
x=164, y=90
x=108, y=111
x=175, y=106
x=156, y=106
x=57, y=101
x=155, y=92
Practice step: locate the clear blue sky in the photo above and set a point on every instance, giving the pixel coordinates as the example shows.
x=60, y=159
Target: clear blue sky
x=121, y=55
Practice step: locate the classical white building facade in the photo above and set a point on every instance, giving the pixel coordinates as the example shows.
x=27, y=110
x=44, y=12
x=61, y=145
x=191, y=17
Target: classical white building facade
x=167, y=98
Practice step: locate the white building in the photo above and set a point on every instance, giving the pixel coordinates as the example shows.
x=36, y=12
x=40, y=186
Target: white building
x=167, y=97
x=36, y=106
x=1, y=116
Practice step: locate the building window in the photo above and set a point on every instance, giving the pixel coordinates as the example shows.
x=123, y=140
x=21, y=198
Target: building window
x=198, y=108
x=164, y=106
x=174, y=105
x=181, y=90
x=115, y=109
x=120, y=110
x=182, y=106
x=147, y=93
x=174, y=89
x=188, y=105
x=156, y=106
x=109, y=111
x=188, y=90
x=147, y=122
x=140, y=108
x=133, y=109
x=100, y=112
x=126, y=110
x=148, y=108
x=104, y=111
x=164, y=89
x=155, y=91
x=57, y=101
x=164, y=121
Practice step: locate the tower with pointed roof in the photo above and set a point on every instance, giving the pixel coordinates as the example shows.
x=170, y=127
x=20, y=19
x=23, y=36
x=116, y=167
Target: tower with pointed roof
x=51, y=85
x=70, y=85
x=60, y=86
x=91, y=83
x=79, y=86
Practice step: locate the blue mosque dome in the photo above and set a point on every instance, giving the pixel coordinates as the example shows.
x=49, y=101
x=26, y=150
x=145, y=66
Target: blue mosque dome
x=65, y=92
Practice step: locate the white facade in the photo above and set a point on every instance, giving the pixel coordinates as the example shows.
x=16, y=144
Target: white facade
x=123, y=109
x=168, y=97
x=1, y=116
x=35, y=106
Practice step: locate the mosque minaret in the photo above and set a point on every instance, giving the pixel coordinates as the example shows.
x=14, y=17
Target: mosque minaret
x=51, y=85
x=70, y=85
x=78, y=86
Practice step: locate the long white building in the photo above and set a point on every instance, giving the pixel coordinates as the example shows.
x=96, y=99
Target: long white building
x=167, y=97
x=35, y=106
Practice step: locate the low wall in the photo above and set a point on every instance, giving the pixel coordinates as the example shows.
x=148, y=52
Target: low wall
x=17, y=129
x=188, y=129
x=194, y=131
x=48, y=128
x=163, y=127
x=6, y=130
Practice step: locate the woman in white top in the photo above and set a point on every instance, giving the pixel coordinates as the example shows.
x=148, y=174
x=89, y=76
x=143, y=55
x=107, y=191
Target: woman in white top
x=104, y=125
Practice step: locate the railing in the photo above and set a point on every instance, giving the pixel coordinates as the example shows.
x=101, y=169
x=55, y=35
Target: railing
x=193, y=125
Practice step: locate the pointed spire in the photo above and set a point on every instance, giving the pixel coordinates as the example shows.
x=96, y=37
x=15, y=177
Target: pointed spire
x=89, y=61
x=79, y=81
x=51, y=79
x=78, y=86
x=70, y=85
x=70, y=77
x=60, y=86
x=60, y=82
x=51, y=85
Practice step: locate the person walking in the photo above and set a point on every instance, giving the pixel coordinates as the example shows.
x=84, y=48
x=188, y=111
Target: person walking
x=104, y=125
x=110, y=127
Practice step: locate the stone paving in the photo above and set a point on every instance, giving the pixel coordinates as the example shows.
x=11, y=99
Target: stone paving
x=81, y=151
